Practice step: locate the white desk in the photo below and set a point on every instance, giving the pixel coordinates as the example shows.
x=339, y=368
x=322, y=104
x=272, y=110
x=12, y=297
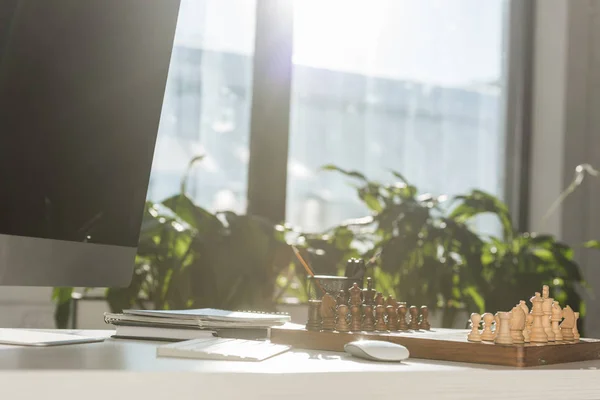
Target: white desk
x=117, y=368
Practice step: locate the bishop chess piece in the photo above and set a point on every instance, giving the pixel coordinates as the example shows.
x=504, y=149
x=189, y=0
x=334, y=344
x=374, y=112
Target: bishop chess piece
x=503, y=335
x=392, y=318
x=538, y=334
x=314, y=315
x=328, y=308
x=379, y=300
x=547, y=308
x=424, y=319
x=487, y=334
x=380, y=318
x=555, y=319
x=369, y=293
x=517, y=324
x=414, y=318
x=576, y=334
x=567, y=325
x=402, y=310
x=474, y=335
x=368, y=321
x=341, y=323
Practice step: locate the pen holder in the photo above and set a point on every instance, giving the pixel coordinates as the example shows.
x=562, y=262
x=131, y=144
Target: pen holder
x=331, y=284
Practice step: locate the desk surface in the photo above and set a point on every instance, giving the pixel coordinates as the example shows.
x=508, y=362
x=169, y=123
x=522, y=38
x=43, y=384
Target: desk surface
x=116, y=365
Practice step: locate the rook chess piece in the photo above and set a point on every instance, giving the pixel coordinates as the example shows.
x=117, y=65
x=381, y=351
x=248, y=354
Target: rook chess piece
x=369, y=293
x=517, y=324
x=576, y=335
x=414, y=318
x=538, y=334
x=556, y=318
x=314, y=315
x=567, y=325
x=368, y=323
x=488, y=320
x=328, y=308
x=341, y=323
x=392, y=318
x=380, y=318
x=402, y=325
x=547, y=308
x=503, y=331
x=474, y=335
x=424, y=320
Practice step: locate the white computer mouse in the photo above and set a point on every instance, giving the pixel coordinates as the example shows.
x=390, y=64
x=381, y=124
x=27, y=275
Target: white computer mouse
x=377, y=350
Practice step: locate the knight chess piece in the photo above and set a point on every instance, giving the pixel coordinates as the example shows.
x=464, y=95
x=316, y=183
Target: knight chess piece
x=341, y=323
x=567, y=325
x=488, y=320
x=402, y=310
x=576, y=334
x=368, y=321
x=538, y=334
x=556, y=318
x=392, y=318
x=474, y=335
x=328, y=312
x=547, y=308
x=503, y=335
x=380, y=318
x=414, y=318
x=369, y=293
x=517, y=324
x=314, y=315
x=424, y=319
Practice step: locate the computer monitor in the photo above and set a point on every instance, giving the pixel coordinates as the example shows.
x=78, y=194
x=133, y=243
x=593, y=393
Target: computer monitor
x=81, y=91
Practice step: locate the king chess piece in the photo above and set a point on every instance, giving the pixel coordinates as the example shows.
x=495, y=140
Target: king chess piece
x=576, y=334
x=380, y=318
x=402, y=310
x=392, y=318
x=474, y=335
x=567, y=325
x=547, y=308
x=517, y=324
x=314, y=315
x=538, y=334
x=555, y=320
x=424, y=319
x=503, y=335
x=369, y=293
x=328, y=312
x=487, y=334
x=368, y=322
x=414, y=318
x=341, y=323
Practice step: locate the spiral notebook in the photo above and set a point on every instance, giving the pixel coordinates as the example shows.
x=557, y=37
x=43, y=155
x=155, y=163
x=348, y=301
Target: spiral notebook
x=212, y=318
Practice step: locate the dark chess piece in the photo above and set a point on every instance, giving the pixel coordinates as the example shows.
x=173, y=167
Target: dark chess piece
x=380, y=318
x=341, y=323
x=368, y=322
x=369, y=293
x=392, y=318
x=390, y=301
x=328, y=307
x=402, y=310
x=414, y=318
x=342, y=298
x=314, y=315
x=355, y=308
x=379, y=299
x=355, y=295
x=424, y=321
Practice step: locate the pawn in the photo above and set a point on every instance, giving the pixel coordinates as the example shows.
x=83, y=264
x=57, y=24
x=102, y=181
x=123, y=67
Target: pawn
x=355, y=318
x=496, y=324
x=402, y=325
x=474, y=335
x=341, y=323
x=368, y=322
x=576, y=334
x=503, y=335
x=392, y=316
x=314, y=322
x=414, y=318
x=424, y=320
x=380, y=318
x=379, y=300
x=488, y=320
x=517, y=324
x=390, y=301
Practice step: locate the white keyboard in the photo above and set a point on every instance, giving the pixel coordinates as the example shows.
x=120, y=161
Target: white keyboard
x=222, y=349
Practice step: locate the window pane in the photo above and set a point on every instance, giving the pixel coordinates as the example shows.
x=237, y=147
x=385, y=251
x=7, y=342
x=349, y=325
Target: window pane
x=407, y=85
x=206, y=110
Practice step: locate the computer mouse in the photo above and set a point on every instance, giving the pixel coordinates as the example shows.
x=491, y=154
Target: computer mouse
x=377, y=350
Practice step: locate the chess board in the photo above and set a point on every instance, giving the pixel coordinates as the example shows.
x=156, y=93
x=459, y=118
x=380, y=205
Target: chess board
x=446, y=345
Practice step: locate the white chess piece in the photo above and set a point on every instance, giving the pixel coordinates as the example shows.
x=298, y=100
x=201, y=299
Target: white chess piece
x=503, y=331
x=488, y=320
x=538, y=334
x=474, y=335
x=576, y=334
x=517, y=324
x=556, y=318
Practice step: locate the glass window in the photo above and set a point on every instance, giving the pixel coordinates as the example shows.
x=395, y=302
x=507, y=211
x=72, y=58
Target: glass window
x=206, y=109
x=408, y=85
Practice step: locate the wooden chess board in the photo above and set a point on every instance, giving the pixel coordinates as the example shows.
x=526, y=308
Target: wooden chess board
x=447, y=345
